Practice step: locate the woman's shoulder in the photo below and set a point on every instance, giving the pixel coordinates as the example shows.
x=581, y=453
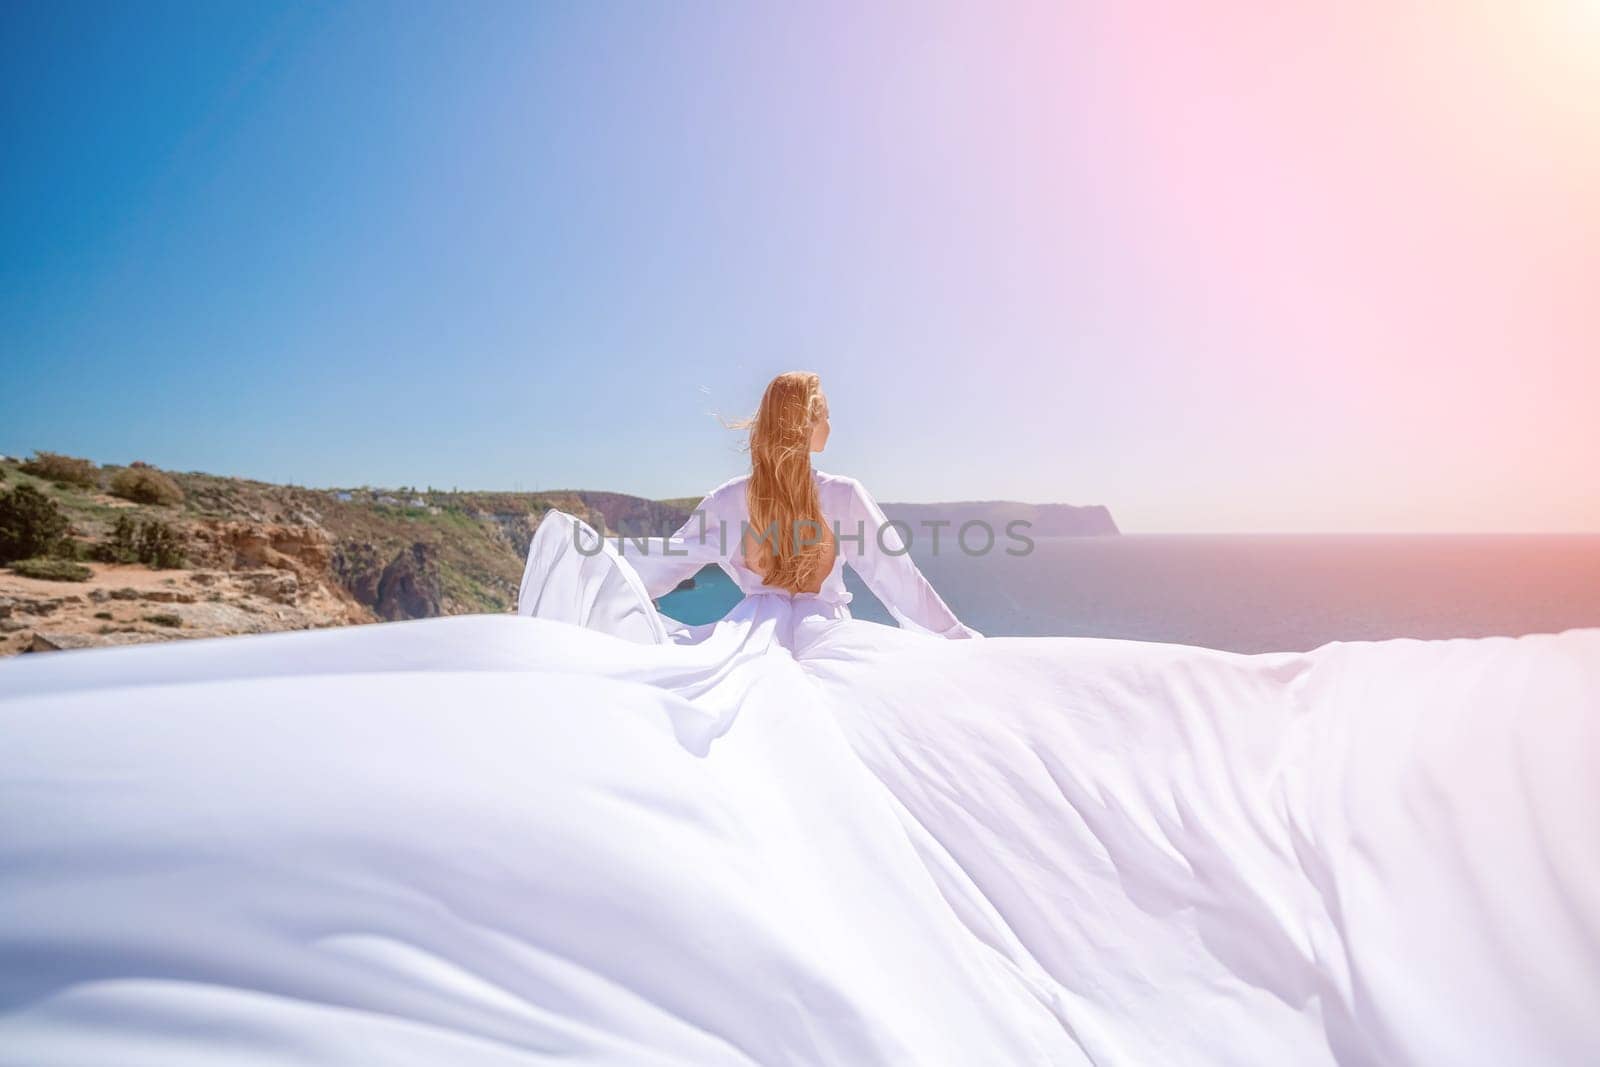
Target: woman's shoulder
x=727, y=490
x=840, y=495
x=837, y=482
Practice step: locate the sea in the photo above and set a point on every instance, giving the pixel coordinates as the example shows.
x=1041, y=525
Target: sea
x=1247, y=592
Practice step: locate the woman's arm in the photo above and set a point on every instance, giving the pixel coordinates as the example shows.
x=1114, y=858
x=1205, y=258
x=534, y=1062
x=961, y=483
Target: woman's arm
x=879, y=556
x=663, y=562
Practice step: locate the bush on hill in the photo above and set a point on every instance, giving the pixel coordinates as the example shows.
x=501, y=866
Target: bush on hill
x=30, y=524
x=123, y=545
x=160, y=546
x=145, y=485
x=62, y=470
x=153, y=543
x=52, y=570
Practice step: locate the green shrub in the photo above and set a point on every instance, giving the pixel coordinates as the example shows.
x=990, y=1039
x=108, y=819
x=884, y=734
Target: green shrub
x=160, y=546
x=69, y=548
x=165, y=618
x=30, y=524
x=53, y=570
x=145, y=485
x=63, y=470
x=123, y=546
x=153, y=543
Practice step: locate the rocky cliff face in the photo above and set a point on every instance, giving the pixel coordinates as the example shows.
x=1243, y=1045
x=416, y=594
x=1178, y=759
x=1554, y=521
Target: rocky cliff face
x=410, y=586
x=242, y=545
x=407, y=586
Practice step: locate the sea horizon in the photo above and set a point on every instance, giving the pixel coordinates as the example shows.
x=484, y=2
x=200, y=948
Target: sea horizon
x=1249, y=592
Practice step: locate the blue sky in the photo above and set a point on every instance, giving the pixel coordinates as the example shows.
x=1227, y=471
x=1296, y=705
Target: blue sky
x=539, y=245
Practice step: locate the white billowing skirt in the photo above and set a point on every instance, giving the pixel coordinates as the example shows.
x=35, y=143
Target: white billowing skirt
x=795, y=838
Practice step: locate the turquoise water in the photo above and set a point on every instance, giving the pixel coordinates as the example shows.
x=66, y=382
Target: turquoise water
x=1250, y=592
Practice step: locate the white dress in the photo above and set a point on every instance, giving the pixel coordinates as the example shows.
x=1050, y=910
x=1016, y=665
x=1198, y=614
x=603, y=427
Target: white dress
x=574, y=575
x=713, y=535
x=791, y=837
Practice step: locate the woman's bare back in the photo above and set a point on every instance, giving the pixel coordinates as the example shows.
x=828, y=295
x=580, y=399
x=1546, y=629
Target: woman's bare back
x=757, y=550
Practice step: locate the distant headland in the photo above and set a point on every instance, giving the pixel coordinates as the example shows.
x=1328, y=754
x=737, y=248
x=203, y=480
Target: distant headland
x=1045, y=520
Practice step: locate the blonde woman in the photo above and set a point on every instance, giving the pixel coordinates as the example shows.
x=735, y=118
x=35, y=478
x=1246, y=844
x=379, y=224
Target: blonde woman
x=782, y=532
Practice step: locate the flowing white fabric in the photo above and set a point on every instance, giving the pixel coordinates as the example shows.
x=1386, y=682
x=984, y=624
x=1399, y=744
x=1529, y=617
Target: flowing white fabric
x=793, y=837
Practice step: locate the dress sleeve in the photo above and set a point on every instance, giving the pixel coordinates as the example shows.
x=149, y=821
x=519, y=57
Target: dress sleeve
x=881, y=558
x=663, y=562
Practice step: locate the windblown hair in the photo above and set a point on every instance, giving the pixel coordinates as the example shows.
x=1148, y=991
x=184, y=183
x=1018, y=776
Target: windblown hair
x=785, y=515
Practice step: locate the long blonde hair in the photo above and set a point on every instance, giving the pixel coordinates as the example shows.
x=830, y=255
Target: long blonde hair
x=782, y=492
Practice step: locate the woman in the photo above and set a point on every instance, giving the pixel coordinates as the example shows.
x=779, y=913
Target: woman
x=783, y=533
x=794, y=838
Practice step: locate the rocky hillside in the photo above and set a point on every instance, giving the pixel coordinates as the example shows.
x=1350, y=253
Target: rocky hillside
x=258, y=556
